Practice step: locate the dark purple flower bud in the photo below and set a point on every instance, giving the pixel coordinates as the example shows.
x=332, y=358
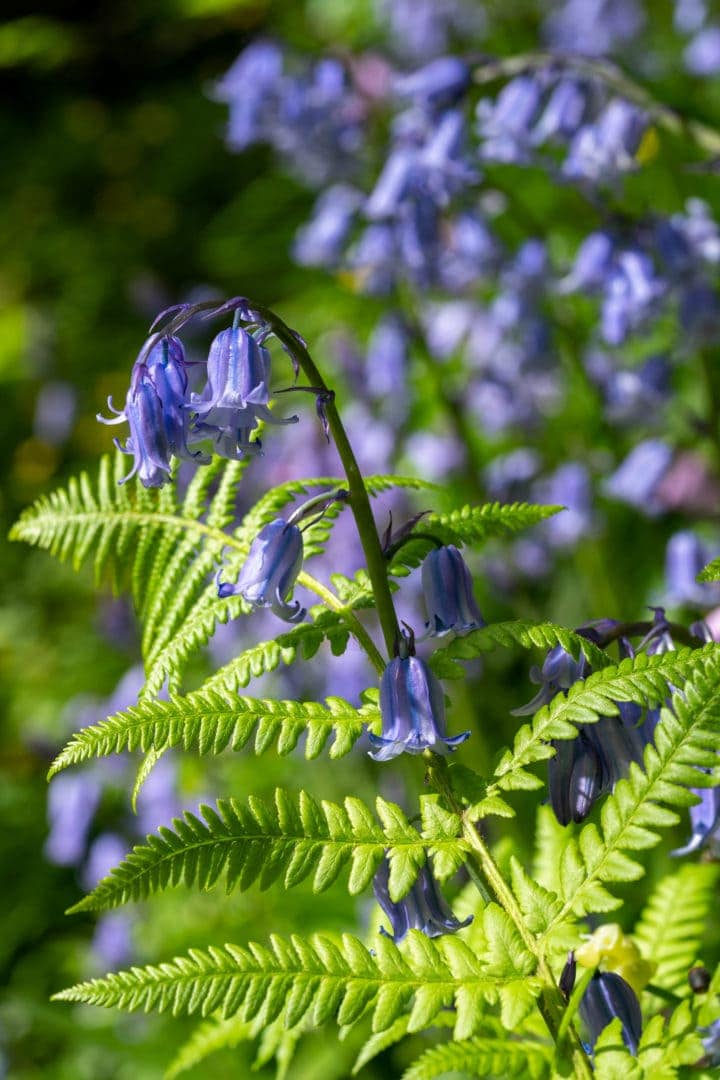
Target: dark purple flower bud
x=448, y=591
x=575, y=778
x=704, y=819
x=699, y=979
x=424, y=908
x=413, y=712
x=566, y=983
x=609, y=997
x=439, y=84
x=270, y=571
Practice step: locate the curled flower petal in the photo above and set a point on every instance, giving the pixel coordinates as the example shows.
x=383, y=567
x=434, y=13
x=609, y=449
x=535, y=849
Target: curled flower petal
x=424, y=908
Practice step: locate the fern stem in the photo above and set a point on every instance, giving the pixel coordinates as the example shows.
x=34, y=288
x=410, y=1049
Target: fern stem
x=359, y=499
x=354, y=625
x=550, y=1002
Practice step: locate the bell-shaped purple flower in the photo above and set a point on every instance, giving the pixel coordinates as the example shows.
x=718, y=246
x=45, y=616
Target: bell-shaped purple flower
x=448, y=591
x=609, y=997
x=237, y=392
x=413, y=712
x=575, y=777
x=165, y=363
x=424, y=908
x=148, y=441
x=270, y=571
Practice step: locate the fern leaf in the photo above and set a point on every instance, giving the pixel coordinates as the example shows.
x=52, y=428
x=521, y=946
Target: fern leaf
x=711, y=572
x=643, y=679
x=291, y=837
x=210, y=721
x=321, y=977
x=528, y=635
x=685, y=739
x=674, y=923
x=491, y=1056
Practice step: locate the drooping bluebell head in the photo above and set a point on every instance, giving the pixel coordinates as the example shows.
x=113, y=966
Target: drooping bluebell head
x=606, y=998
x=704, y=820
x=413, y=712
x=165, y=363
x=438, y=84
x=270, y=571
x=575, y=777
x=424, y=908
x=448, y=591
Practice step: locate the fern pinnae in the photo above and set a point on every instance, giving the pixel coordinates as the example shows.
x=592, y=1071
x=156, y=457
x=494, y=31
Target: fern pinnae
x=210, y=721
x=207, y=1038
x=292, y=837
x=685, y=740
x=490, y=1055
x=522, y=632
x=673, y=924
x=322, y=977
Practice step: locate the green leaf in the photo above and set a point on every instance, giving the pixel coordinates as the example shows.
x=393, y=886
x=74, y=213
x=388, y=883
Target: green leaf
x=322, y=977
x=208, y=1038
x=210, y=721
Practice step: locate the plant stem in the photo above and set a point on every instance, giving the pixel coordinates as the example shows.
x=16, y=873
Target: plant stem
x=356, y=627
x=550, y=1002
x=359, y=499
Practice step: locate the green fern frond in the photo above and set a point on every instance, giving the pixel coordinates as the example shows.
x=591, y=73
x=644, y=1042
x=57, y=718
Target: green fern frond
x=491, y=1056
x=642, y=679
x=469, y=525
x=522, y=632
x=674, y=923
x=685, y=739
x=292, y=837
x=208, y=1038
x=210, y=721
x=321, y=977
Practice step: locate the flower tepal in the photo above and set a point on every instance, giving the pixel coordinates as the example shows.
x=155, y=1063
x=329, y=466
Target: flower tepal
x=270, y=571
x=413, y=712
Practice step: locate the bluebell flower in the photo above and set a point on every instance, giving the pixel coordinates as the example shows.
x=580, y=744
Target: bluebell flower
x=251, y=88
x=72, y=801
x=505, y=125
x=575, y=777
x=631, y=395
x=564, y=111
x=424, y=908
x=438, y=85
x=560, y=670
x=270, y=571
x=593, y=27
x=448, y=592
x=412, y=705
x=423, y=29
x=609, y=997
x=112, y=942
x=685, y=557
x=711, y=1043
x=637, y=479
x=321, y=241
x=148, y=441
x=606, y=147
x=704, y=820
x=702, y=55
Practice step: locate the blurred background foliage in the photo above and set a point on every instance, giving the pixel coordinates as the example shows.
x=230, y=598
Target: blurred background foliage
x=118, y=198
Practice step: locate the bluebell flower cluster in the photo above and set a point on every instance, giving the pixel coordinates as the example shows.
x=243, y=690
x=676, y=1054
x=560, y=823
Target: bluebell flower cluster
x=166, y=417
x=424, y=908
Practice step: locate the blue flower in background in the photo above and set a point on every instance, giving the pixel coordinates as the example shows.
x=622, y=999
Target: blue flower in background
x=704, y=820
x=423, y=908
x=270, y=571
x=685, y=556
x=448, y=591
x=413, y=712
